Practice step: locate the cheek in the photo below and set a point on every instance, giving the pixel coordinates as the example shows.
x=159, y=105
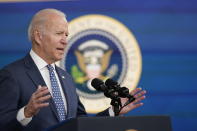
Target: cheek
x=51, y=44
x=49, y=48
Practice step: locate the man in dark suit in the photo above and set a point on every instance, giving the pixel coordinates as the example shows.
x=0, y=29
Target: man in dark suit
x=36, y=94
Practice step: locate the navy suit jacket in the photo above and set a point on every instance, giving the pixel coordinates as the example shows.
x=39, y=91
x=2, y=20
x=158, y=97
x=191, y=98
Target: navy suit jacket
x=18, y=81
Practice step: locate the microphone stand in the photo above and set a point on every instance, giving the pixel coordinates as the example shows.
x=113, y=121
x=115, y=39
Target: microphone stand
x=115, y=100
x=116, y=103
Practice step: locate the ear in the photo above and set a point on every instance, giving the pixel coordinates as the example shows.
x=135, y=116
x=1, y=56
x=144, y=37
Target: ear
x=37, y=37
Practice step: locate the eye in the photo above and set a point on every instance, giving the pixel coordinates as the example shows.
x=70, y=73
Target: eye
x=59, y=33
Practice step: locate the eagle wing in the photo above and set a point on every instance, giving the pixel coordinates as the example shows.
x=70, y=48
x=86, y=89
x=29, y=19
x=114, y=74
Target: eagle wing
x=105, y=60
x=80, y=60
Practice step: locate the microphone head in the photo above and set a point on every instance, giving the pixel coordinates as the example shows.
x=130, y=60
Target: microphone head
x=111, y=83
x=123, y=92
x=98, y=84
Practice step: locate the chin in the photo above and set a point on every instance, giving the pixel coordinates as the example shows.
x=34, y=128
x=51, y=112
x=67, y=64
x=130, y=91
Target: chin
x=59, y=58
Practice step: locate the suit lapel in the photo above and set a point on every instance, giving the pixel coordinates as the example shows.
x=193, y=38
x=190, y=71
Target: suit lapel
x=33, y=72
x=36, y=77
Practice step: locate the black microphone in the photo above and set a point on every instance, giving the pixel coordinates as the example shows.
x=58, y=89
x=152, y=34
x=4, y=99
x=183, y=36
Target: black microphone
x=99, y=85
x=109, y=91
x=122, y=91
x=112, y=84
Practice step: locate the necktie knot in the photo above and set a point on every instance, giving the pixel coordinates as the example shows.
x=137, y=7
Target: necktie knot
x=50, y=68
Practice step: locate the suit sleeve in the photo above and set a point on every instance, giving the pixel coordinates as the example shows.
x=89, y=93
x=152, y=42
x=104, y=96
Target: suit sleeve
x=9, y=98
x=104, y=113
x=81, y=110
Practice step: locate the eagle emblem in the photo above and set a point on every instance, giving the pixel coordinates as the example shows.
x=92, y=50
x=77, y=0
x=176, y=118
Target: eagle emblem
x=93, y=59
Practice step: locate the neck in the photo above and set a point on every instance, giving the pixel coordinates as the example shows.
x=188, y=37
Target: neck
x=42, y=55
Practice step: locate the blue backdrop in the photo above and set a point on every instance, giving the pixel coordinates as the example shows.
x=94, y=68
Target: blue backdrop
x=167, y=34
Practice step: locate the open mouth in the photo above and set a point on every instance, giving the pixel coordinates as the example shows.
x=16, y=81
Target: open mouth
x=60, y=49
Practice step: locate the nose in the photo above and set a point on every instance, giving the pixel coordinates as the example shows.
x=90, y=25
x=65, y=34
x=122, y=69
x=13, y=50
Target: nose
x=64, y=40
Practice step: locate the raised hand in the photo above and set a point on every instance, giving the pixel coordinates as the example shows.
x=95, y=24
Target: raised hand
x=37, y=101
x=139, y=95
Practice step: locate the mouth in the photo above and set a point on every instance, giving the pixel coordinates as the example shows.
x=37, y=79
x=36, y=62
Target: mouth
x=60, y=49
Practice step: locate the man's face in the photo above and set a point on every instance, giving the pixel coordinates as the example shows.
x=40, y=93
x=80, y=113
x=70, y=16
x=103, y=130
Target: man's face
x=54, y=39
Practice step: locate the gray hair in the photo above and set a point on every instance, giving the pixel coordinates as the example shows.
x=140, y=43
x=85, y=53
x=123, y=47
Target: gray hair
x=39, y=19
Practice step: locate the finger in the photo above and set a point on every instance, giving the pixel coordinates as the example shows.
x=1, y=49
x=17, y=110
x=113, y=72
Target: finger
x=139, y=99
x=44, y=86
x=44, y=98
x=135, y=91
x=141, y=93
x=137, y=105
x=41, y=105
x=40, y=88
x=41, y=93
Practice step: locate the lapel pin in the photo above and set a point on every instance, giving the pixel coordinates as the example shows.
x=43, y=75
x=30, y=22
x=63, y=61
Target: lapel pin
x=63, y=77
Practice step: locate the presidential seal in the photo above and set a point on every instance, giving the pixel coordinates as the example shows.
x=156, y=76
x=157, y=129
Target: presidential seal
x=100, y=47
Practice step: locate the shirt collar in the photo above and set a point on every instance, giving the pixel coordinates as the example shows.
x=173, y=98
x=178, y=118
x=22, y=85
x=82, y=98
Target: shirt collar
x=40, y=63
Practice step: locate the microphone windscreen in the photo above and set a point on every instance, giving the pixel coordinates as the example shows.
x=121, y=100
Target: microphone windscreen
x=110, y=82
x=97, y=83
x=123, y=92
